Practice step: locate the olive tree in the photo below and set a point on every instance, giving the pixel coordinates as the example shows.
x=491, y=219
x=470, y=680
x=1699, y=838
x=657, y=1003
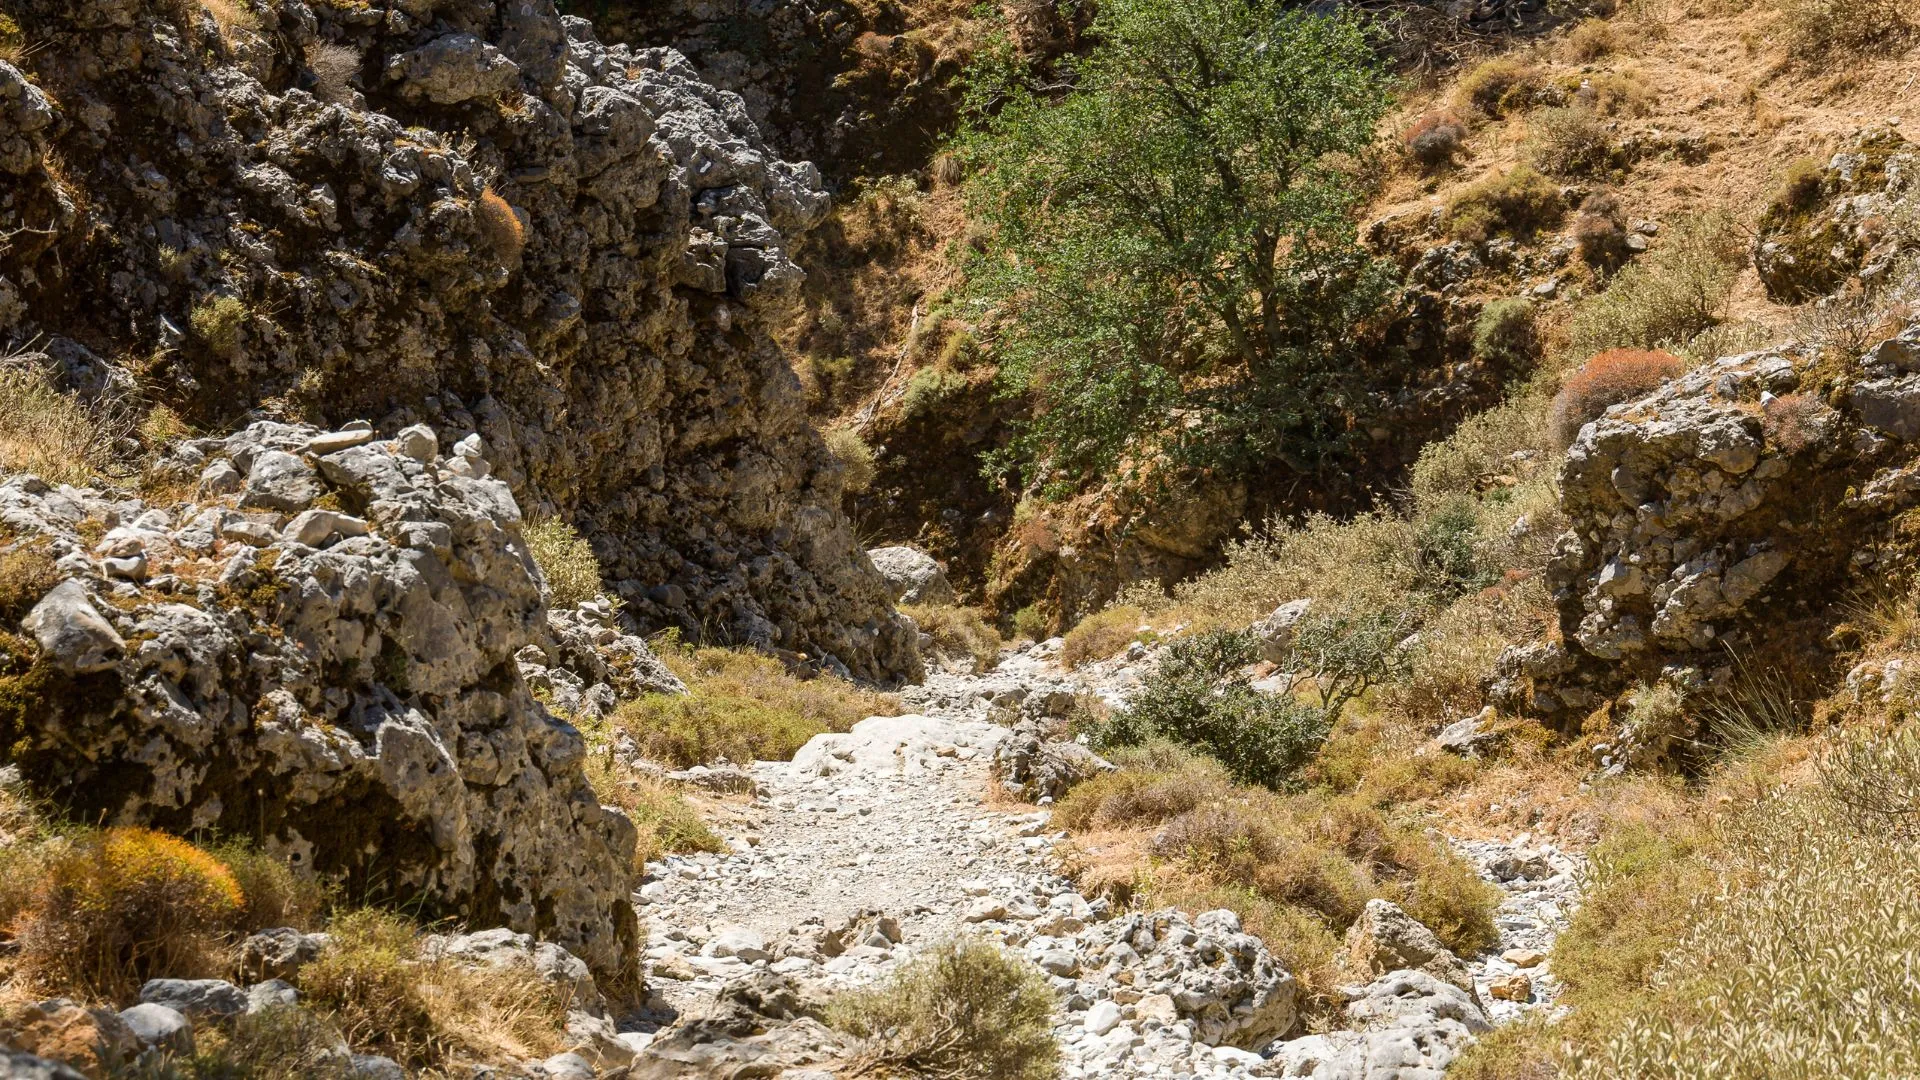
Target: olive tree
x=1170, y=268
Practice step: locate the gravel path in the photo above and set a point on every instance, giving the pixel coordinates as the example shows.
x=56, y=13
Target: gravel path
x=870, y=847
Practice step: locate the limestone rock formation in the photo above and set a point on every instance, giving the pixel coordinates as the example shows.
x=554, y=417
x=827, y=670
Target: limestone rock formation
x=1724, y=514
x=1832, y=225
x=342, y=683
x=912, y=576
x=470, y=215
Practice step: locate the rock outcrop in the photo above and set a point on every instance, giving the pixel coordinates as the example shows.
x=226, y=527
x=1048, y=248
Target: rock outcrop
x=1724, y=516
x=466, y=214
x=1840, y=222
x=328, y=660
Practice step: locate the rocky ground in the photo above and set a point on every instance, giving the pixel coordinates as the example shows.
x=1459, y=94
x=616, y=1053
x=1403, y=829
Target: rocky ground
x=873, y=846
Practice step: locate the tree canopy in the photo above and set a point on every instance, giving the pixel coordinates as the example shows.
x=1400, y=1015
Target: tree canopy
x=1171, y=267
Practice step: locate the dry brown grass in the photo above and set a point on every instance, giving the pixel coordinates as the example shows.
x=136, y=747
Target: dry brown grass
x=959, y=631
x=499, y=226
x=1591, y=40
x=1518, y=203
x=965, y=1011
x=1103, y=634
x=1499, y=86
x=1298, y=867
x=857, y=465
x=26, y=574
x=566, y=560
x=333, y=67
x=51, y=434
x=372, y=984
x=666, y=821
x=742, y=707
x=231, y=16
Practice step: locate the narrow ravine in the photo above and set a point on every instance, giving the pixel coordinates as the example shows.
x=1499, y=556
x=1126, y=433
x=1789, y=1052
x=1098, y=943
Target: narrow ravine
x=871, y=847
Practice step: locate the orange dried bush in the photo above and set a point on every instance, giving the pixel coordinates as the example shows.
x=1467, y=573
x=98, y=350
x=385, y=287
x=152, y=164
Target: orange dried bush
x=1612, y=377
x=499, y=225
x=1795, y=421
x=120, y=906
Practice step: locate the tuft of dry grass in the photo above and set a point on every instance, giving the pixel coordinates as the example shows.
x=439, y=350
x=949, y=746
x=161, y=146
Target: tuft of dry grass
x=1571, y=142
x=1835, y=29
x=27, y=574
x=959, y=631
x=51, y=434
x=231, y=16
x=858, y=467
x=1611, y=378
x=1500, y=86
x=666, y=822
x=1103, y=634
x=333, y=67
x=566, y=560
x=1590, y=40
x=373, y=985
x=499, y=226
x=967, y=1011
x=741, y=706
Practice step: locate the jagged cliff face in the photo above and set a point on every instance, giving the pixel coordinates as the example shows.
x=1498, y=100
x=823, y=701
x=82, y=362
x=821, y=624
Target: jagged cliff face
x=298, y=210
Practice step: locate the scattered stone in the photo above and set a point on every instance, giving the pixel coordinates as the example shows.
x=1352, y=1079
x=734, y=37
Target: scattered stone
x=1103, y=1017
x=158, y=1027
x=1515, y=987
x=197, y=998
x=1524, y=958
x=71, y=631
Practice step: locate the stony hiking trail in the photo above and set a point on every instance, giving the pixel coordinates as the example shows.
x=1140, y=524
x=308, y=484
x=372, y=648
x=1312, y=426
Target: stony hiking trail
x=870, y=847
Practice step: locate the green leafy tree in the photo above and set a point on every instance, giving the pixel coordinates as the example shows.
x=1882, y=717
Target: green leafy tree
x=1171, y=267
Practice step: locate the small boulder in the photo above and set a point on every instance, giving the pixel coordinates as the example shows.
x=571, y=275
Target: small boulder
x=374, y=1067
x=280, y=481
x=1275, y=632
x=94, y=1041
x=15, y=1065
x=197, y=998
x=1385, y=938
x=158, y=1027
x=453, y=68
x=418, y=442
x=1103, y=1017
x=1514, y=987
x=912, y=576
x=72, y=632
x=281, y=951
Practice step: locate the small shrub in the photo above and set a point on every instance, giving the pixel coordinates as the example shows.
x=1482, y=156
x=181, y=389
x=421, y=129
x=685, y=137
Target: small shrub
x=217, y=321
x=1612, y=93
x=857, y=466
x=1031, y=623
x=931, y=388
x=1504, y=334
x=1571, y=142
x=124, y=905
x=231, y=16
x=1667, y=297
x=1101, y=635
x=1158, y=781
x=667, y=823
x=741, y=706
x=566, y=561
x=1434, y=139
x=1600, y=232
x=273, y=894
x=333, y=68
x=1193, y=696
x=1611, y=378
x=1517, y=203
x=959, y=631
x=499, y=226
x=968, y=1012
x=1591, y=40
x=1500, y=86
x=276, y=1043
x=1818, y=29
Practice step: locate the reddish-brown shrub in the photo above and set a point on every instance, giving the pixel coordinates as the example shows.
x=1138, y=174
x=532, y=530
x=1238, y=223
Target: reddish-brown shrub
x=499, y=225
x=1434, y=139
x=1613, y=377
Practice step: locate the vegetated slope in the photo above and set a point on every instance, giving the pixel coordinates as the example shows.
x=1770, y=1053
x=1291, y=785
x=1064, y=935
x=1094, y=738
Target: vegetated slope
x=472, y=215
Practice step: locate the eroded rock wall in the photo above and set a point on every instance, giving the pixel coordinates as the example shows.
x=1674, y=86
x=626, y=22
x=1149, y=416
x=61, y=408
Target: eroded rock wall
x=462, y=213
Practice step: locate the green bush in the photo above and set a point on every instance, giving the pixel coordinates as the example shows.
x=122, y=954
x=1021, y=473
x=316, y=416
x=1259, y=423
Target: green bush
x=1516, y=203
x=968, y=1011
x=217, y=322
x=1194, y=697
x=1171, y=250
x=1669, y=296
x=857, y=467
x=1500, y=86
x=930, y=388
x=1571, y=142
x=1504, y=333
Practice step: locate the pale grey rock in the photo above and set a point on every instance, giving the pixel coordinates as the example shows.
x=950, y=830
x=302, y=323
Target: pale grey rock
x=1385, y=938
x=72, y=632
x=202, y=998
x=278, y=480
x=418, y=442
x=312, y=528
x=25, y=117
x=1219, y=977
x=453, y=68
x=16, y=1065
x=1103, y=1017
x=271, y=994
x=374, y=1067
x=912, y=576
x=1275, y=632
x=159, y=1027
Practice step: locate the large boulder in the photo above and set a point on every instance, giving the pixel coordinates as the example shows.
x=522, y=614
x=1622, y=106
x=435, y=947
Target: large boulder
x=1385, y=938
x=912, y=576
x=348, y=692
x=462, y=216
